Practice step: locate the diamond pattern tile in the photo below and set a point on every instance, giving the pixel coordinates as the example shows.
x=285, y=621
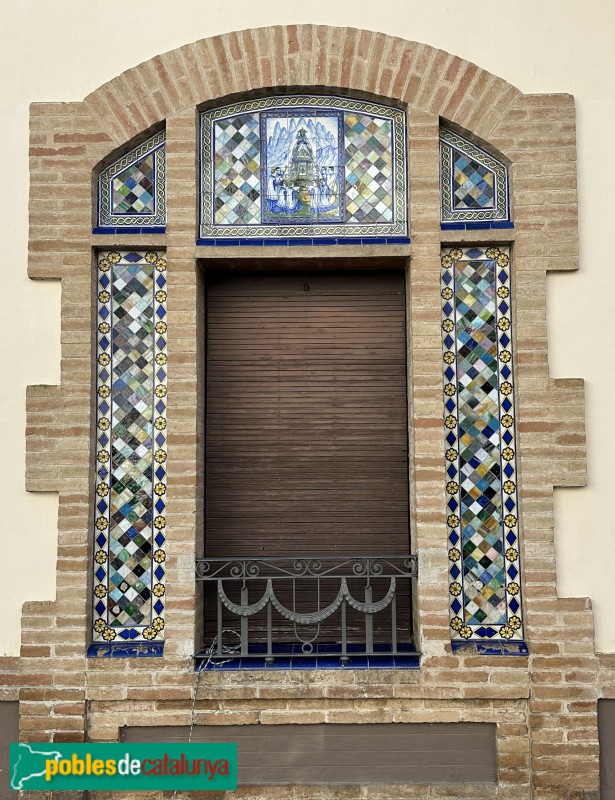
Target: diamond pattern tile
x=473, y=183
x=133, y=189
x=369, y=168
x=131, y=438
x=237, y=189
x=479, y=456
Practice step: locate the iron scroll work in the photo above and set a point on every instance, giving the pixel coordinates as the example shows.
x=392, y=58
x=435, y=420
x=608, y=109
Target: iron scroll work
x=308, y=607
x=314, y=169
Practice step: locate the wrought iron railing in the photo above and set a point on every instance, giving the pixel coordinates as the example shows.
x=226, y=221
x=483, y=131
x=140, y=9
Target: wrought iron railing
x=309, y=606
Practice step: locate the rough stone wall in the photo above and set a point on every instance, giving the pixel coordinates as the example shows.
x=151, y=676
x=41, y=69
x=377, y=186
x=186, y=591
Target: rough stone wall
x=544, y=705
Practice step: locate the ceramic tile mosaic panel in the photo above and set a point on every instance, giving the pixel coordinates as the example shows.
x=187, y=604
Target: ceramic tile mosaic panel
x=317, y=168
x=369, y=165
x=132, y=190
x=130, y=502
x=479, y=420
x=474, y=184
x=237, y=171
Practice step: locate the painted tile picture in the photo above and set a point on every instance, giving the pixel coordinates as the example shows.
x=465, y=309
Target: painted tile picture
x=302, y=165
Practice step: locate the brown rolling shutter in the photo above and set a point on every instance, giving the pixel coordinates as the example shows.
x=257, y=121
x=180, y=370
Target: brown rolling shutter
x=306, y=449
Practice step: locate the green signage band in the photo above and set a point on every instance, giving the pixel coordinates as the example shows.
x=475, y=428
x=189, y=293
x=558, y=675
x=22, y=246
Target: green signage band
x=144, y=767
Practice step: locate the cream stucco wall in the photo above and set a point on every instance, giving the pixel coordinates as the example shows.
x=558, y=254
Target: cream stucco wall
x=61, y=51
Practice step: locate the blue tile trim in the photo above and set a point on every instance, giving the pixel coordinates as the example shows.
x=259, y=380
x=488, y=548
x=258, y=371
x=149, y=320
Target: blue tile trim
x=140, y=650
x=491, y=648
x=326, y=656
x=320, y=662
x=126, y=229
x=301, y=242
x=476, y=226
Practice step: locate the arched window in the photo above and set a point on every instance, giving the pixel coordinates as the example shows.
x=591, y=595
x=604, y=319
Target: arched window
x=315, y=170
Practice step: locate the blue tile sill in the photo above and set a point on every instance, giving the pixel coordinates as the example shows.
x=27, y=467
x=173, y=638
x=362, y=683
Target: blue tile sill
x=328, y=659
x=128, y=229
x=476, y=226
x=326, y=656
x=303, y=241
x=125, y=650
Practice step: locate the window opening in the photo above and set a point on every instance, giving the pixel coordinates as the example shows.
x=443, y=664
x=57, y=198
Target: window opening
x=307, y=532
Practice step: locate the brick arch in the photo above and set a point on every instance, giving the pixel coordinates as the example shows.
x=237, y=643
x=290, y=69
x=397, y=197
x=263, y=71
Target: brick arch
x=306, y=55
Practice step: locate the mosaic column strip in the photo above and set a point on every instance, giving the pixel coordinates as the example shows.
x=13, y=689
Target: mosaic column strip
x=130, y=499
x=479, y=420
